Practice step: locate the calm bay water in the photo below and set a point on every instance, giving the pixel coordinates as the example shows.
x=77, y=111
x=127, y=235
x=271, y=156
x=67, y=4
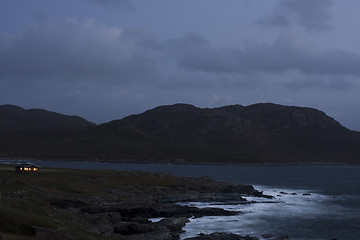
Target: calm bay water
x=332, y=210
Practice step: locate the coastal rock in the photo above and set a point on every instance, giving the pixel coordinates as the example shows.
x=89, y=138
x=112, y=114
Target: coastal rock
x=222, y=236
x=155, y=235
x=165, y=229
x=111, y=215
x=266, y=236
x=102, y=229
x=115, y=217
x=67, y=203
x=43, y=233
x=185, y=211
x=97, y=219
x=173, y=224
x=130, y=228
x=285, y=237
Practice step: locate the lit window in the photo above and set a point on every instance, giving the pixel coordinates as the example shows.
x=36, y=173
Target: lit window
x=21, y=169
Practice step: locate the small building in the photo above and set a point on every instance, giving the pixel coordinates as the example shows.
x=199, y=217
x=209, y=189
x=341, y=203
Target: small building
x=27, y=168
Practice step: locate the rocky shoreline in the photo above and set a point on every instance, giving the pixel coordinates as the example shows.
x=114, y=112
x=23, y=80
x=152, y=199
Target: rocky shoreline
x=106, y=204
x=61, y=204
x=108, y=216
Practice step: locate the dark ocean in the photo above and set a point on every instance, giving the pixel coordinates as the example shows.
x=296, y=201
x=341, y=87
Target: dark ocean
x=312, y=202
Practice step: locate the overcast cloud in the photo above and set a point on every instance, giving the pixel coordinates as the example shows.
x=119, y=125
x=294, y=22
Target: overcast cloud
x=120, y=4
x=310, y=14
x=91, y=52
x=103, y=64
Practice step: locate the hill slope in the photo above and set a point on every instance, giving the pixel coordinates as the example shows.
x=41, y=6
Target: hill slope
x=256, y=133
x=16, y=118
x=260, y=133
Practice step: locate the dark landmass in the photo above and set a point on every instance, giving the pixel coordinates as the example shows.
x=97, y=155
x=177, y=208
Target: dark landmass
x=83, y=204
x=182, y=133
x=16, y=118
x=231, y=236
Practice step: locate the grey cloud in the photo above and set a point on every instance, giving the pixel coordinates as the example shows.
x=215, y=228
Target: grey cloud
x=74, y=51
x=310, y=14
x=285, y=54
x=88, y=52
x=195, y=52
x=119, y=4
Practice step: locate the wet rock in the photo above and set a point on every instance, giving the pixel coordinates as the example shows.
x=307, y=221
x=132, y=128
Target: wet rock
x=222, y=236
x=140, y=220
x=185, y=211
x=102, y=229
x=129, y=228
x=127, y=213
x=97, y=219
x=261, y=194
x=247, y=237
x=92, y=209
x=165, y=229
x=173, y=224
x=115, y=217
x=66, y=203
x=155, y=235
x=282, y=237
x=266, y=236
x=306, y=194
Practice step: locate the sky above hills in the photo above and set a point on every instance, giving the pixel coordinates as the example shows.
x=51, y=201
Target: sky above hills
x=106, y=59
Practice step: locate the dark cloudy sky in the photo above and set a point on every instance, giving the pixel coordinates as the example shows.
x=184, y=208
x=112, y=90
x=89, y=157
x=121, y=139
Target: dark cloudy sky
x=106, y=59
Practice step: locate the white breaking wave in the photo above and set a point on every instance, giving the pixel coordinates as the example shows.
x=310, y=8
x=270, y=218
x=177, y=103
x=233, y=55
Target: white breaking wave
x=264, y=216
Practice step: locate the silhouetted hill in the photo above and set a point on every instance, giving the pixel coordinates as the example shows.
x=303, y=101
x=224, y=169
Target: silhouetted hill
x=260, y=133
x=16, y=118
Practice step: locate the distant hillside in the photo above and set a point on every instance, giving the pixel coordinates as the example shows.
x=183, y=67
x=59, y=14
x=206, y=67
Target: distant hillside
x=182, y=133
x=16, y=118
x=259, y=133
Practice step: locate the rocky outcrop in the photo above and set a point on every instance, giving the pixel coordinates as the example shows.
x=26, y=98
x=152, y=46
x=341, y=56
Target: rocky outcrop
x=222, y=236
x=109, y=216
x=42, y=233
x=231, y=236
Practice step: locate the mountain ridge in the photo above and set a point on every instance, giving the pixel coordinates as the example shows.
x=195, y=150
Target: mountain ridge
x=182, y=133
x=13, y=117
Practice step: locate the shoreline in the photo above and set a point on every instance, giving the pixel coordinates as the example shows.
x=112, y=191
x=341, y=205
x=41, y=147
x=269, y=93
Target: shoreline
x=182, y=163
x=144, y=201
x=107, y=204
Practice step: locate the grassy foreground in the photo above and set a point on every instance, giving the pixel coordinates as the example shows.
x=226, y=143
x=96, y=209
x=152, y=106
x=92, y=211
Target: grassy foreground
x=25, y=204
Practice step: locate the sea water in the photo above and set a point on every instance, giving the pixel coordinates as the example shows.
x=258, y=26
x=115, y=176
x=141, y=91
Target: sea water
x=311, y=202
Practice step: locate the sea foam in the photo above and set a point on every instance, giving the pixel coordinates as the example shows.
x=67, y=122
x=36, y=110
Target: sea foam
x=262, y=216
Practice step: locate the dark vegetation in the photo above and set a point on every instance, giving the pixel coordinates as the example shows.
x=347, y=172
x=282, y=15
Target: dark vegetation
x=84, y=204
x=181, y=133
